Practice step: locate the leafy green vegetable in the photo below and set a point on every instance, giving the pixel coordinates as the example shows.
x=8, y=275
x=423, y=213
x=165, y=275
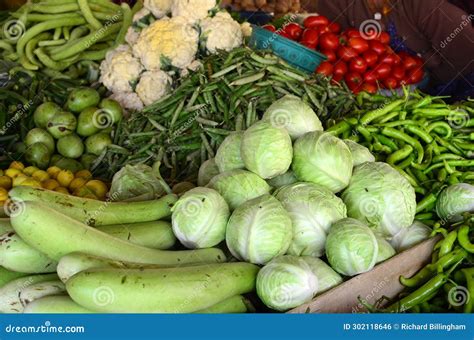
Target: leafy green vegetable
x=410, y=236
x=286, y=282
x=228, y=155
x=351, y=247
x=381, y=197
x=454, y=201
x=312, y=209
x=259, y=230
x=200, y=218
x=323, y=159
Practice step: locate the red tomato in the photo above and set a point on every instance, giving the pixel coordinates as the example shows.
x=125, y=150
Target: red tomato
x=284, y=34
x=270, y=28
x=383, y=70
x=384, y=38
x=398, y=72
x=369, y=88
x=370, y=77
x=315, y=20
x=310, y=36
x=346, y=53
x=353, y=80
x=340, y=69
x=391, y=83
x=334, y=27
x=397, y=61
x=328, y=41
x=330, y=54
x=370, y=57
x=325, y=68
x=293, y=30
x=309, y=45
x=358, y=44
x=415, y=76
x=337, y=77
x=409, y=62
x=388, y=58
x=352, y=33
x=377, y=47
x=358, y=65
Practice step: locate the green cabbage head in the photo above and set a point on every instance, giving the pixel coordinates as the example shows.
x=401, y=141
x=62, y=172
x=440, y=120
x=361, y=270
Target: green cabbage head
x=410, y=236
x=294, y=115
x=266, y=150
x=312, y=209
x=454, y=201
x=259, y=230
x=282, y=180
x=360, y=154
x=286, y=282
x=207, y=171
x=199, y=218
x=327, y=277
x=351, y=247
x=381, y=197
x=386, y=250
x=228, y=155
x=239, y=186
x=321, y=158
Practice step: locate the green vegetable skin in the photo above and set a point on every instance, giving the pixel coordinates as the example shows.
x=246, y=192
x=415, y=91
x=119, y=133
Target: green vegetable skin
x=157, y=234
x=56, y=235
x=55, y=305
x=172, y=290
x=96, y=213
x=7, y=276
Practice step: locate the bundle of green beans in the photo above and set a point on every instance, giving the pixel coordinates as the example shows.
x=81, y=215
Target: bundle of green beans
x=447, y=283
x=229, y=93
x=56, y=34
x=428, y=141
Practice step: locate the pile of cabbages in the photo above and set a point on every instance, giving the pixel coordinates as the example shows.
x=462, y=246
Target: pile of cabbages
x=164, y=43
x=308, y=207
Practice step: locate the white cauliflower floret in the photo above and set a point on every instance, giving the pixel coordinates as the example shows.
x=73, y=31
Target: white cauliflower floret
x=246, y=29
x=167, y=40
x=153, y=85
x=132, y=35
x=128, y=100
x=141, y=14
x=192, y=10
x=194, y=66
x=120, y=69
x=221, y=33
x=159, y=8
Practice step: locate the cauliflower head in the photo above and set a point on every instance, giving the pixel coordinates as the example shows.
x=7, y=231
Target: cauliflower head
x=128, y=100
x=132, y=35
x=192, y=10
x=159, y=8
x=120, y=69
x=168, y=40
x=221, y=33
x=153, y=85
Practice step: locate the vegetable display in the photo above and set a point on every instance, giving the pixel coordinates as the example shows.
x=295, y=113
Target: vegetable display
x=231, y=92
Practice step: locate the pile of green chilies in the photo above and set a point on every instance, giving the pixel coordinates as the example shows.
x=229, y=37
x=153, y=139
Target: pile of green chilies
x=229, y=93
x=447, y=283
x=428, y=141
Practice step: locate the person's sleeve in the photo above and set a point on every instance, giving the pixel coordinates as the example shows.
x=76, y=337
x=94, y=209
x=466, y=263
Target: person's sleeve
x=450, y=31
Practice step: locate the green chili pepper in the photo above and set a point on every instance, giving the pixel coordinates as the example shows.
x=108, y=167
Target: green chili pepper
x=372, y=115
x=463, y=239
x=425, y=202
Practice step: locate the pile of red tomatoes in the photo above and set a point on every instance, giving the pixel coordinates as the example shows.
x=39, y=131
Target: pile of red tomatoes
x=366, y=62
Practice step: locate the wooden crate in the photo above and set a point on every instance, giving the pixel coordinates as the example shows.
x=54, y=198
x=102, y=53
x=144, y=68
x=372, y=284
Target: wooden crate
x=383, y=280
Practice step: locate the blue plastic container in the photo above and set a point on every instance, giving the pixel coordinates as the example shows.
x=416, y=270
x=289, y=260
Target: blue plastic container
x=292, y=52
